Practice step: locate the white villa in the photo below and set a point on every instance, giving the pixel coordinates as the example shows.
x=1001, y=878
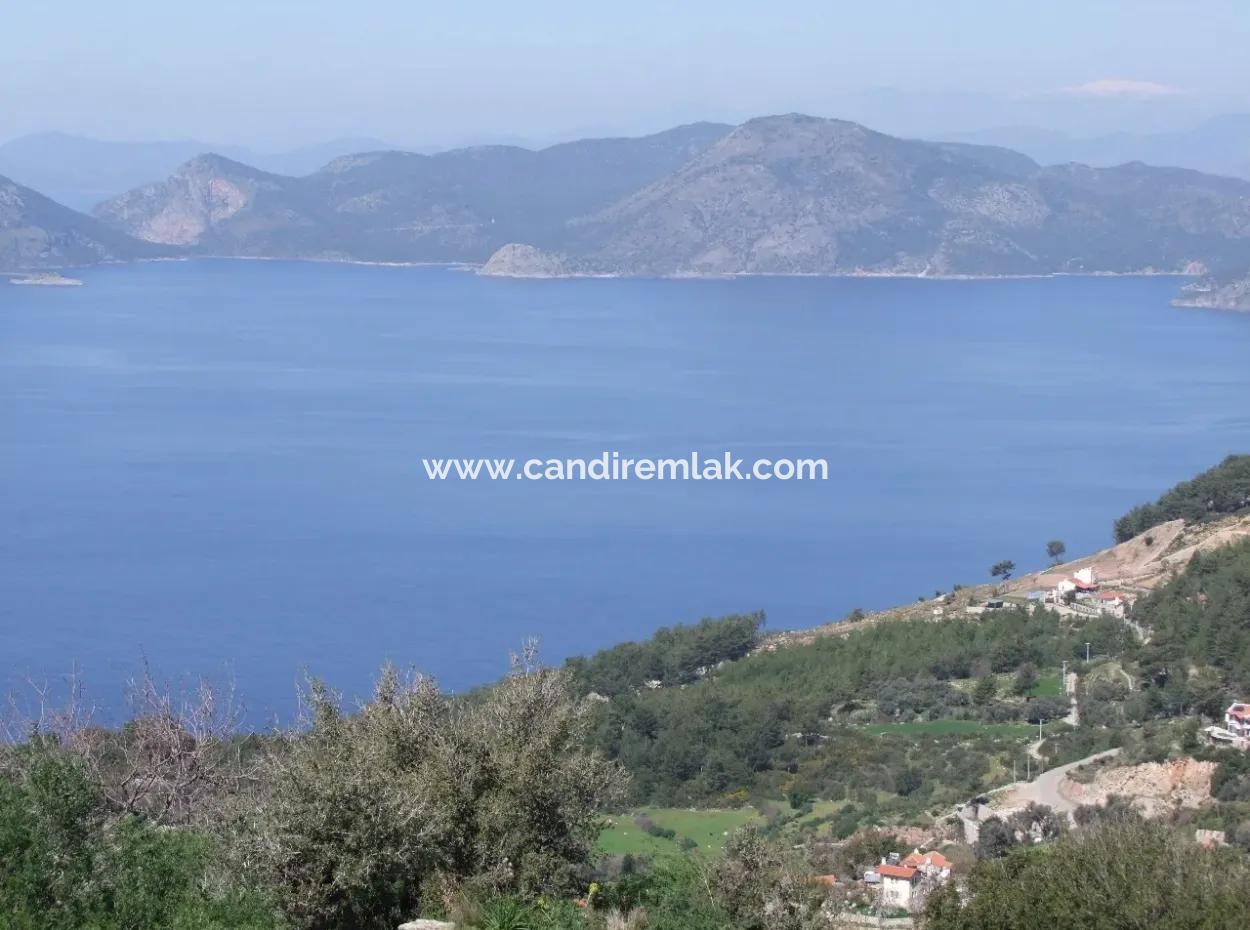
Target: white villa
x=897, y=884
x=1237, y=720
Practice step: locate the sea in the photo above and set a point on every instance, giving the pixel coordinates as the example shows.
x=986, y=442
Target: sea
x=215, y=468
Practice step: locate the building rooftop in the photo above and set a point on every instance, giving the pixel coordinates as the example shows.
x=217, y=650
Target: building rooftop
x=897, y=871
x=933, y=859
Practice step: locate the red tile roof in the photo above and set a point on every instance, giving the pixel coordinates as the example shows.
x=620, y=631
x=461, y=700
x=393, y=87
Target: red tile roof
x=896, y=871
x=934, y=859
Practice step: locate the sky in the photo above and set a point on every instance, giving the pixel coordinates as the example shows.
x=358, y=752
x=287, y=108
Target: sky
x=280, y=73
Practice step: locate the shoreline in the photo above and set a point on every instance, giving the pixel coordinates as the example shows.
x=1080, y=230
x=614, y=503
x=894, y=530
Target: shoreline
x=475, y=268
x=890, y=275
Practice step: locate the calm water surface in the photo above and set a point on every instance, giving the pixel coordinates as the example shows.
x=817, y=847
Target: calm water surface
x=217, y=464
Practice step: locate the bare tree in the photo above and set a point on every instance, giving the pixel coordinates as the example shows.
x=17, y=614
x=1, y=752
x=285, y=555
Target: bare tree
x=174, y=759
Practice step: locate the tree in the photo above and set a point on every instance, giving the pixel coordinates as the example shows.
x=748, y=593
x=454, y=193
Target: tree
x=1002, y=569
x=1056, y=550
x=1037, y=822
x=173, y=762
x=908, y=782
x=995, y=839
x=363, y=814
x=1122, y=873
x=985, y=691
x=1026, y=678
x=763, y=885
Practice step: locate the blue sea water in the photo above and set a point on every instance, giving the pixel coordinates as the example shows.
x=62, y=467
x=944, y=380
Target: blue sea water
x=217, y=464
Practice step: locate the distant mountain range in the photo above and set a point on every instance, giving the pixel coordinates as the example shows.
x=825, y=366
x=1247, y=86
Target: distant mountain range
x=783, y=195
x=80, y=172
x=400, y=206
x=1220, y=145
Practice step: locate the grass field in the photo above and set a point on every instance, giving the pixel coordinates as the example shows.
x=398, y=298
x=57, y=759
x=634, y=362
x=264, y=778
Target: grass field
x=708, y=828
x=1048, y=685
x=952, y=728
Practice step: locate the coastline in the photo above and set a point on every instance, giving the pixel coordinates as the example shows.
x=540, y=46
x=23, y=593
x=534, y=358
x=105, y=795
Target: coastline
x=476, y=268
x=920, y=276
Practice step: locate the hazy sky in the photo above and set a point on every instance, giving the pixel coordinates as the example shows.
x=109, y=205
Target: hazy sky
x=281, y=72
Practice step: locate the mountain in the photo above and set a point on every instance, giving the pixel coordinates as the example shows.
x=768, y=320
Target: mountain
x=400, y=206
x=80, y=172
x=783, y=194
x=190, y=206
x=1220, y=145
x=36, y=233
x=797, y=194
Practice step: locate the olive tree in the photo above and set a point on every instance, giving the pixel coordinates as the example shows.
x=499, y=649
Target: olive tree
x=364, y=815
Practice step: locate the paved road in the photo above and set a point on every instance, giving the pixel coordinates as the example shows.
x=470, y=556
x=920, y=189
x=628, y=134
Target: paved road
x=1042, y=790
x=1045, y=788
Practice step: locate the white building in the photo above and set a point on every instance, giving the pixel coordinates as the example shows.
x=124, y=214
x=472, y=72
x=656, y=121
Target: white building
x=1237, y=720
x=897, y=884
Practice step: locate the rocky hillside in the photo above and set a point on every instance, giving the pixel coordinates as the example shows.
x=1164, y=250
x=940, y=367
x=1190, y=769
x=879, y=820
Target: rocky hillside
x=38, y=233
x=190, y=206
x=400, y=206
x=795, y=194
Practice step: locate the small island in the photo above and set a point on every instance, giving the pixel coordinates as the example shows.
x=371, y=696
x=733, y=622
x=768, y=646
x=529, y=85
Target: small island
x=47, y=279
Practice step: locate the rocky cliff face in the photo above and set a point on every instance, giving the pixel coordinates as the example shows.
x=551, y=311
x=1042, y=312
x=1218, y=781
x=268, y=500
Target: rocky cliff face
x=189, y=206
x=37, y=233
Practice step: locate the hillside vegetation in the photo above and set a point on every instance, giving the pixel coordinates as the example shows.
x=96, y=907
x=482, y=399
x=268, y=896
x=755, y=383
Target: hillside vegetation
x=1219, y=491
x=759, y=765
x=673, y=656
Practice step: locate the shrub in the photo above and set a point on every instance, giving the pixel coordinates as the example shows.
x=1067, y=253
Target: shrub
x=367, y=812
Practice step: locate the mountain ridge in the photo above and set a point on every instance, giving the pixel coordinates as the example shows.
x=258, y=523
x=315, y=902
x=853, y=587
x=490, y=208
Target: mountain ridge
x=391, y=206
x=784, y=194
x=801, y=195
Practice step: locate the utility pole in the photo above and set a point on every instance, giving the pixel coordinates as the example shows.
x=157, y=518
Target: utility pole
x=1087, y=652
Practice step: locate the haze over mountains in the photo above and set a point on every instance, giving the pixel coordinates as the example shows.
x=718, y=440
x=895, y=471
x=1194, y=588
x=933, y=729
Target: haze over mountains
x=80, y=172
x=1220, y=145
x=400, y=206
x=785, y=194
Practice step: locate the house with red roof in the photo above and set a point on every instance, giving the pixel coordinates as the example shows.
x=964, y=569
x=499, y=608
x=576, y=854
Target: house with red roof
x=898, y=882
x=929, y=863
x=1084, y=582
x=1237, y=720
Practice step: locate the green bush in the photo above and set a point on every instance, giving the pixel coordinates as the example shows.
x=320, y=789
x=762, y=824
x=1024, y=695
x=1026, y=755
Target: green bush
x=65, y=866
x=368, y=815
x=1121, y=872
